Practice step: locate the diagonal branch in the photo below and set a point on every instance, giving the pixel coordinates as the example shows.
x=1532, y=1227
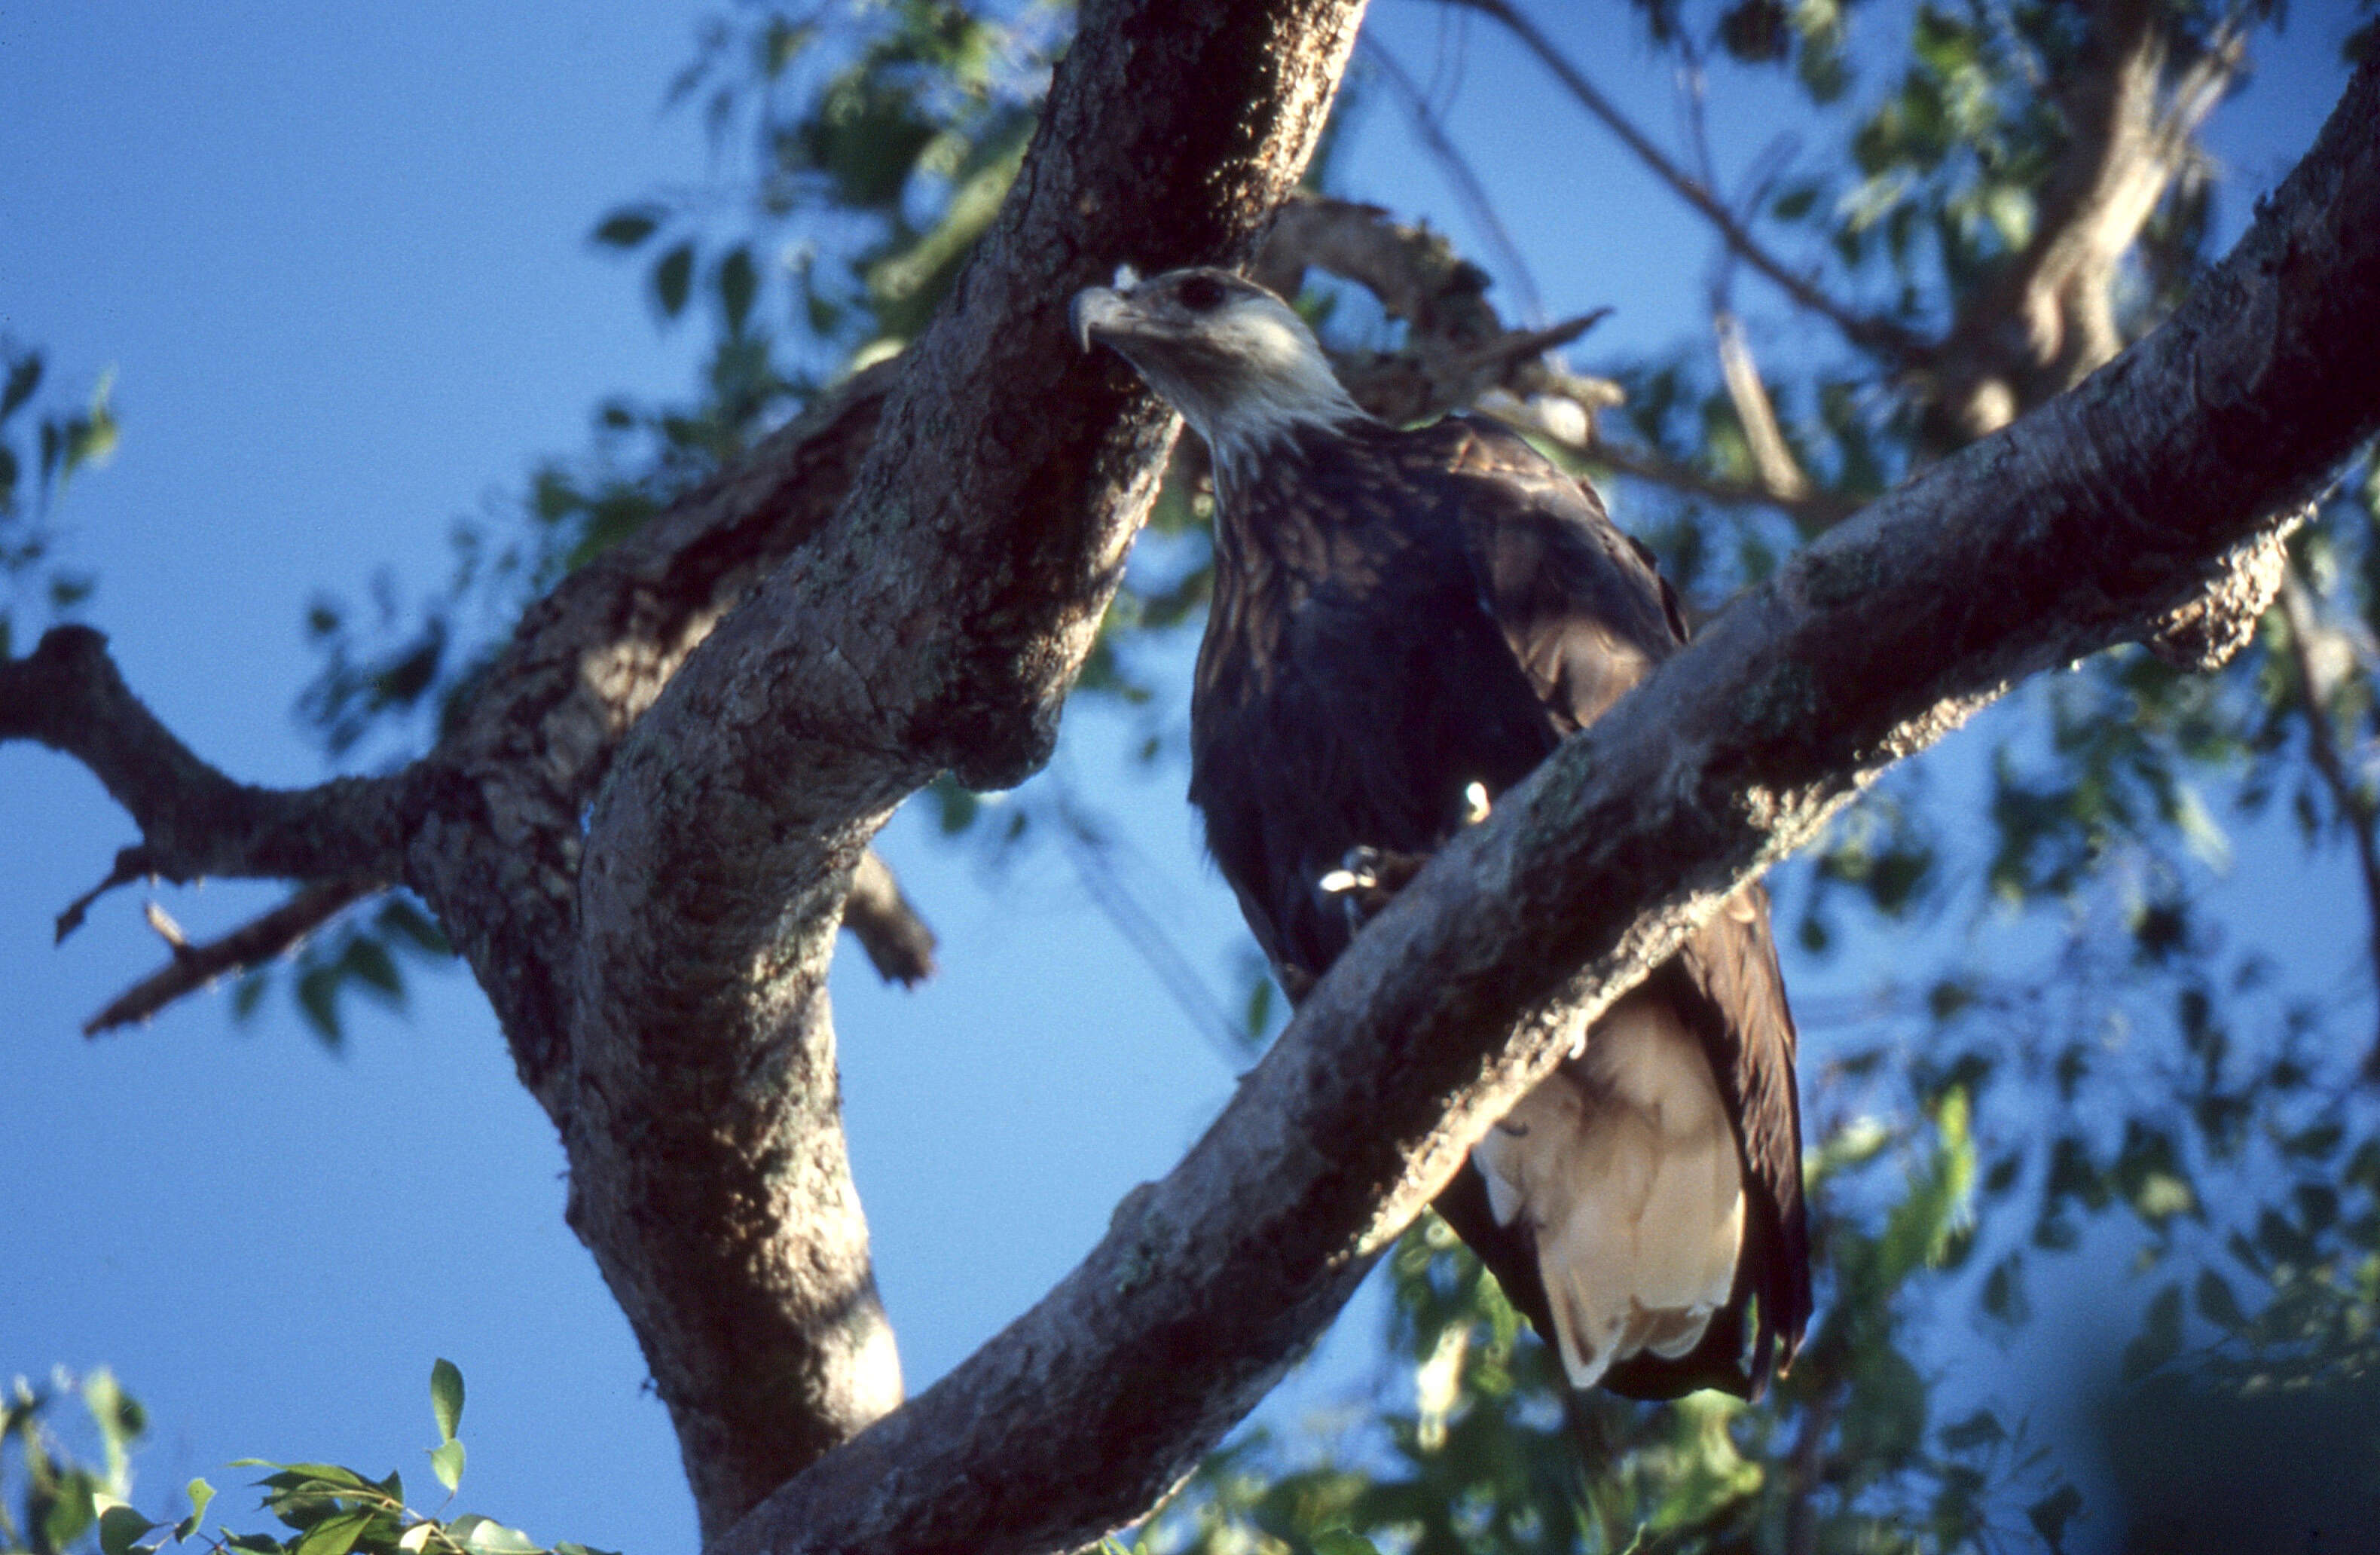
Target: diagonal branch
x=489, y=822
x=1780, y=475
x=881, y=917
x=1894, y=342
x=496, y=854
x=1817, y=509
x=2083, y=525
x=1458, y=350
x=261, y=939
x=1458, y=172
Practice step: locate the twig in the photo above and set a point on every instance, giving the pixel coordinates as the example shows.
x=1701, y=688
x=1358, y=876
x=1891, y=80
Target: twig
x=1088, y=849
x=1780, y=475
x=899, y=944
x=1459, y=176
x=1812, y=511
x=130, y=865
x=253, y=943
x=1882, y=337
x=2322, y=744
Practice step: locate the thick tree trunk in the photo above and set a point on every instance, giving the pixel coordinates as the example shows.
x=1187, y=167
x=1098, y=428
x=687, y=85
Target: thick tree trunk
x=935, y=624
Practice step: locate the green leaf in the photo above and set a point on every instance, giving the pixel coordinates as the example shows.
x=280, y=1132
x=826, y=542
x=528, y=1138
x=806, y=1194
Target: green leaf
x=119, y=1525
x=2159, y=1340
x=1885, y=1420
x=2217, y=1304
x=369, y=963
x=628, y=227
x=446, y=1397
x=487, y=1537
x=1982, y=1429
x=1342, y=1542
x=24, y=377
x=416, y=1538
x=249, y=992
x=1918, y=1232
x=409, y=926
x=446, y=1463
x=2050, y=1515
x=336, y=1535
x=739, y=282
x=201, y=1493
x=318, y=1001
x=673, y=279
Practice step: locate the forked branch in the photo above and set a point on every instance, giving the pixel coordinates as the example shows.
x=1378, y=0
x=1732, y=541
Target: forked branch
x=194, y=821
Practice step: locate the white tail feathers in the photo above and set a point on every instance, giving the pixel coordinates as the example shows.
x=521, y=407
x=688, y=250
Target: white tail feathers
x=1623, y=1167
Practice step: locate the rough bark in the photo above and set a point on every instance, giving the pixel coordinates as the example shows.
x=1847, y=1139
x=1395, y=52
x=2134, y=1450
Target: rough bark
x=498, y=856
x=2083, y=525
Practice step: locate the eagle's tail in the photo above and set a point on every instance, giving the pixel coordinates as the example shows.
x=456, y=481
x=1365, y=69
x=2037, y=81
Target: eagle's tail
x=1622, y=1169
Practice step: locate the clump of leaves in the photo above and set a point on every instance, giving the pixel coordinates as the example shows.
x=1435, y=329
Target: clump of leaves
x=62, y=442
x=323, y=1509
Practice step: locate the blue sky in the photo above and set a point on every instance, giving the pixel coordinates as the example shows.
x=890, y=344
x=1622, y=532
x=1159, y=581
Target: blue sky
x=336, y=260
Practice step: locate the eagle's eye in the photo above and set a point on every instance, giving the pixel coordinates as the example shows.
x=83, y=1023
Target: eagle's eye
x=1201, y=294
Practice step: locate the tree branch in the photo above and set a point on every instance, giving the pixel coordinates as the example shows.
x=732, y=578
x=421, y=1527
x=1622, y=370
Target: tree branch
x=194, y=822
x=262, y=939
x=934, y=623
x=1894, y=342
x=1815, y=510
x=497, y=853
x=898, y=942
x=504, y=790
x=1457, y=350
x=2047, y=315
x=1459, y=175
x=2083, y=525
x=1780, y=475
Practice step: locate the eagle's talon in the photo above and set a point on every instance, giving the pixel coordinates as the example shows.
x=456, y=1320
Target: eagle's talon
x=1368, y=879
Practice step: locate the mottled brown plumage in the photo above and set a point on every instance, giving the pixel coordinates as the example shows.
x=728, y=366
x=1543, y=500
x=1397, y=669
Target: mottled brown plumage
x=1403, y=622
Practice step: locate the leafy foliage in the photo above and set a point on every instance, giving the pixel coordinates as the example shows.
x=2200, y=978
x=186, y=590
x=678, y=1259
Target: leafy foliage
x=324, y=1509
x=32, y=474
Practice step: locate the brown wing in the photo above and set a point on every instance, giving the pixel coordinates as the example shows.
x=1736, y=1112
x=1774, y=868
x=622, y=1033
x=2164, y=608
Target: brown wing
x=1587, y=617
x=1585, y=613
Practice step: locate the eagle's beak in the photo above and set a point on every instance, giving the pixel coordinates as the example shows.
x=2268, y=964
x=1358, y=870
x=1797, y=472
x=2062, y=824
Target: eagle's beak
x=1094, y=309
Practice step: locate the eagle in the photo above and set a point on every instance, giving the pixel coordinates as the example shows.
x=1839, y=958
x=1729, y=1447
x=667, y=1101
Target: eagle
x=1404, y=622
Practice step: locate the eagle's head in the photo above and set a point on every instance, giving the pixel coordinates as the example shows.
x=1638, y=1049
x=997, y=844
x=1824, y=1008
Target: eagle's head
x=1237, y=361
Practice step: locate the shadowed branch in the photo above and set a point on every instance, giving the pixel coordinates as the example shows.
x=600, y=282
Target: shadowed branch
x=262, y=939
x=194, y=821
